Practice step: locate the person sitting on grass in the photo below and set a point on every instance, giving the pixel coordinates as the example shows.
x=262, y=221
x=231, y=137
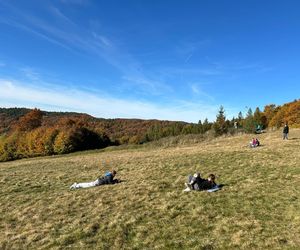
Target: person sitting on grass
x=254, y=143
x=209, y=183
x=257, y=142
x=108, y=178
x=195, y=182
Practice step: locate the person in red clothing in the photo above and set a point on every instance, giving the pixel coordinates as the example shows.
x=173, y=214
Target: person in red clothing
x=253, y=143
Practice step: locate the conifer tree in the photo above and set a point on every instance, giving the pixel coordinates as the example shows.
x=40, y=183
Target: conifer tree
x=240, y=119
x=257, y=117
x=200, y=127
x=249, y=124
x=206, y=125
x=221, y=126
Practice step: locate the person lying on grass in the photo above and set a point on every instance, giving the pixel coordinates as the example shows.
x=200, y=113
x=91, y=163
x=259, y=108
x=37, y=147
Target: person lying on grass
x=195, y=182
x=108, y=178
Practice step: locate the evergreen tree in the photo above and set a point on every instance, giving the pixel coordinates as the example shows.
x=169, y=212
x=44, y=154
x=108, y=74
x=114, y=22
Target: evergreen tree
x=249, y=124
x=240, y=119
x=200, y=127
x=221, y=126
x=206, y=125
x=257, y=117
x=240, y=116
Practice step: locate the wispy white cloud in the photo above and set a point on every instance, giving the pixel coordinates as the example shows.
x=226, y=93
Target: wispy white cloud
x=15, y=93
x=196, y=71
x=30, y=73
x=235, y=65
x=104, y=41
x=197, y=90
x=58, y=14
x=149, y=86
x=65, y=33
x=187, y=49
x=188, y=57
x=39, y=34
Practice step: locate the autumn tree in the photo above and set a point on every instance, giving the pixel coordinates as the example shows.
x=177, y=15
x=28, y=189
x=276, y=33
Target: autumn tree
x=292, y=114
x=76, y=139
x=279, y=118
x=269, y=111
x=257, y=116
x=31, y=120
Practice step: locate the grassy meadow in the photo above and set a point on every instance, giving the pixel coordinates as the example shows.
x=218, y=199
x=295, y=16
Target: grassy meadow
x=257, y=208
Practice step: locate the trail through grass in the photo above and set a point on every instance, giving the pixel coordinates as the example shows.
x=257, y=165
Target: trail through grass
x=258, y=207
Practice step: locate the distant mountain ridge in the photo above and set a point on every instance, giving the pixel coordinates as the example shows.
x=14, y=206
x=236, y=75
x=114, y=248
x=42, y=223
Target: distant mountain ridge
x=116, y=126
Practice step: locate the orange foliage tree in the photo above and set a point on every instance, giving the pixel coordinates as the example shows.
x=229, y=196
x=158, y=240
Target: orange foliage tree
x=31, y=120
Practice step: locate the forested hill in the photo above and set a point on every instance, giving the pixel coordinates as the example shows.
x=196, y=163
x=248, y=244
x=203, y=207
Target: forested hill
x=10, y=116
x=32, y=132
x=118, y=130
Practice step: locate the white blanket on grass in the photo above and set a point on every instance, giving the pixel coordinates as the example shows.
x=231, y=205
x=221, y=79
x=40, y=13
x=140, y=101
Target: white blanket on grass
x=214, y=189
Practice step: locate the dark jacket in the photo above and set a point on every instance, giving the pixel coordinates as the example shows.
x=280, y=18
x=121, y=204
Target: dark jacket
x=196, y=183
x=206, y=184
x=107, y=179
x=286, y=129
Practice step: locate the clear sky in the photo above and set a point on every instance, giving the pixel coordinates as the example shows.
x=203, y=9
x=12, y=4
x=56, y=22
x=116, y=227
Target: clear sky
x=161, y=59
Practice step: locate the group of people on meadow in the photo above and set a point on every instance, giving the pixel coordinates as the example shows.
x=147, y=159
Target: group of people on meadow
x=194, y=182
x=255, y=142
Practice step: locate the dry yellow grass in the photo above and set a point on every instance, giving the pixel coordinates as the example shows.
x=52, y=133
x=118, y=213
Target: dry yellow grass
x=258, y=207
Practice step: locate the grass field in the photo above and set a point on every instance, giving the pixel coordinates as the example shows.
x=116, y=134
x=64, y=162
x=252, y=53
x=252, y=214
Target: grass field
x=258, y=207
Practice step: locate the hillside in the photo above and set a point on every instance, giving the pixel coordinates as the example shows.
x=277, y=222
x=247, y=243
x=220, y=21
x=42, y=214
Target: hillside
x=113, y=127
x=9, y=117
x=117, y=129
x=258, y=207
x=29, y=133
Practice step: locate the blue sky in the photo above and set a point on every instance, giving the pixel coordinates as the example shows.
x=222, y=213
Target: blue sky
x=150, y=59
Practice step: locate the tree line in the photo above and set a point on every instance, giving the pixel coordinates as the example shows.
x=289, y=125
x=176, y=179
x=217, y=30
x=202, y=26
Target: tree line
x=29, y=133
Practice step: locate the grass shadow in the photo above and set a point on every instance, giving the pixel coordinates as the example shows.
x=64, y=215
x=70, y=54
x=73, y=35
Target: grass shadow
x=120, y=181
